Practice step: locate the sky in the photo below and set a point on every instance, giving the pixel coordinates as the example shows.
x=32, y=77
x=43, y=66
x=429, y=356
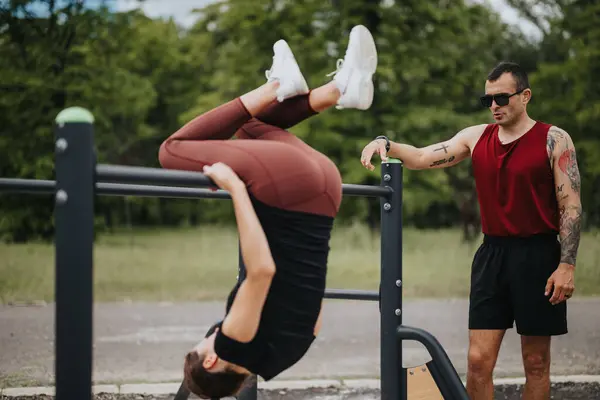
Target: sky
x=180, y=11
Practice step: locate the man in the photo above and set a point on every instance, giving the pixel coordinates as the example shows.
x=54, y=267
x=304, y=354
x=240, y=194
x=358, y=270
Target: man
x=528, y=188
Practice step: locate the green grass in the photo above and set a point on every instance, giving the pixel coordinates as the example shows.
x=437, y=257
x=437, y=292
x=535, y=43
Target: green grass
x=200, y=264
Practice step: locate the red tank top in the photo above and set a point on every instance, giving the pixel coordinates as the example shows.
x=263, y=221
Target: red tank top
x=515, y=184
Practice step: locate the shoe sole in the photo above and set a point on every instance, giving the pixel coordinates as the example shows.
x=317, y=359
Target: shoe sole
x=301, y=85
x=366, y=46
x=368, y=52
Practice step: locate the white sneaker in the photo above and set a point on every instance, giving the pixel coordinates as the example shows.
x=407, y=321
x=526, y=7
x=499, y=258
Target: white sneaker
x=354, y=73
x=285, y=69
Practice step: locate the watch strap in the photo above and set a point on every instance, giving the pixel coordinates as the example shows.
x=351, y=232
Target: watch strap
x=387, y=141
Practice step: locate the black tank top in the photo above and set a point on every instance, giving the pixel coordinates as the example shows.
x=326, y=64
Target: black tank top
x=299, y=243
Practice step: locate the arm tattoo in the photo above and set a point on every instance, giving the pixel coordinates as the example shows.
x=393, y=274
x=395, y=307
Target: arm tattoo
x=564, y=163
x=559, y=192
x=554, y=135
x=570, y=233
x=442, y=161
x=443, y=147
x=567, y=163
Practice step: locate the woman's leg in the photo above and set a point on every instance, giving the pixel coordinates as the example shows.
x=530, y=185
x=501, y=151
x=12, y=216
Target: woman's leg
x=281, y=171
x=294, y=110
x=351, y=86
x=308, y=180
x=222, y=122
x=271, y=122
x=275, y=173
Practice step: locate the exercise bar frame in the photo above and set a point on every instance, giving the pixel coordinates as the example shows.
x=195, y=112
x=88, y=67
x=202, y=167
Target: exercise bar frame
x=79, y=179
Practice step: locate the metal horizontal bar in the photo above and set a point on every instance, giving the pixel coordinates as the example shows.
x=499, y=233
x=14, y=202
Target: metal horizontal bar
x=155, y=176
x=123, y=189
x=351, y=294
x=351, y=189
x=114, y=189
x=26, y=185
x=159, y=176
x=119, y=189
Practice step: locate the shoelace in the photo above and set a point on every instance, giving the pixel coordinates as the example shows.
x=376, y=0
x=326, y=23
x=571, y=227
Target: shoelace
x=338, y=66
x=275, y=64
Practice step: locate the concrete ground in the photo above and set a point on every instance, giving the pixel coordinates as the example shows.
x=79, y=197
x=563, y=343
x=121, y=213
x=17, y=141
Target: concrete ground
x=145, y=343
x=507, y=392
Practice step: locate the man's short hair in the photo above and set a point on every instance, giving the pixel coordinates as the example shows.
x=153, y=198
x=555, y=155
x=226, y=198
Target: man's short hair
x=513, y=68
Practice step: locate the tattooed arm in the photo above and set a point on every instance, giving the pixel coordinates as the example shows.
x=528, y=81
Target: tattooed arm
x=563, y=160
x=439, y=155
x=568, y=186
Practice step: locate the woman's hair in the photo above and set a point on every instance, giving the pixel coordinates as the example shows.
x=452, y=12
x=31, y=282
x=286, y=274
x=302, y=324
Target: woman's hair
x=209, y=385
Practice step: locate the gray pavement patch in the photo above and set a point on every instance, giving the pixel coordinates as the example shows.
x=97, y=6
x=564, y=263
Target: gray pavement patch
x=97, y=389
x=559, y=391
x=292, y=385
x=570, y=383
x=146, y=342
x=28, y=391
x=149, y=389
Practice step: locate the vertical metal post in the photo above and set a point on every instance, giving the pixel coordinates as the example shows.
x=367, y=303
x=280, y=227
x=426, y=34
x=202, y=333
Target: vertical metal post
x=74, y=236
x=250, y=392
x=393, y=375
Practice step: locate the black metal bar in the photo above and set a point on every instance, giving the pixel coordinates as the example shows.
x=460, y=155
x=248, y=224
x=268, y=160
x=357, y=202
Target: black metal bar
x=123, y=189
x=26, y=185
x=342, y=294
x=74, y=236
x=114, y=189
x=393, y=376
x=440, y=380
x=439, y=357
x=159, y=176
x=156, y=176
x=350, y=189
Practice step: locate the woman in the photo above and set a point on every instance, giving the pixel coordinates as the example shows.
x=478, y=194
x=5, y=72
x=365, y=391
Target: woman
x=285, y=196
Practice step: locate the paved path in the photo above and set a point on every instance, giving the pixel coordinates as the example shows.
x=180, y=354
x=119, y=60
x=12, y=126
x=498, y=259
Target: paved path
x=147, y=342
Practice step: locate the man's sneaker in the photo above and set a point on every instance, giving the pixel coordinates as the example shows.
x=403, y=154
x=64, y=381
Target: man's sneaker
x=354, y=73
x=285, y=69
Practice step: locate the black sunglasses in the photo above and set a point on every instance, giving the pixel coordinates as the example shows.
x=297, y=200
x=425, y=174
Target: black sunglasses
x=501, y=99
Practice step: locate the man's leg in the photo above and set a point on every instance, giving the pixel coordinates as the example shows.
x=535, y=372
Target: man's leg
x=490, y=315
x=536, y=360
x=484, y=346
x=537, y=320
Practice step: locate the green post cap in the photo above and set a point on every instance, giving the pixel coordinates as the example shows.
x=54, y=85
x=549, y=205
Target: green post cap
x=74, y=114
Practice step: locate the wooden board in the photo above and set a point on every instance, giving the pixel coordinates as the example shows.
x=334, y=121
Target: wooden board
x=421, y=385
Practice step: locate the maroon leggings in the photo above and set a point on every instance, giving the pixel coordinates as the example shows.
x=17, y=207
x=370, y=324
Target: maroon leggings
x=277, y=167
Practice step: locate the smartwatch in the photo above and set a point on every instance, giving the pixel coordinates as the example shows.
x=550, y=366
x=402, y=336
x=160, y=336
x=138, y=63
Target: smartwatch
x=387, y=141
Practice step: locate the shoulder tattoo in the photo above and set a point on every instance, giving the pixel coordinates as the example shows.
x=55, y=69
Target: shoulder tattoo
x=555, y=135
x=559, y=140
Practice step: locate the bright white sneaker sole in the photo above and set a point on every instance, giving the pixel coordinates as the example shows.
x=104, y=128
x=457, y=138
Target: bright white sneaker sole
x=299, y=83
x=366, y=52
x=365, y=95
x=366, y=48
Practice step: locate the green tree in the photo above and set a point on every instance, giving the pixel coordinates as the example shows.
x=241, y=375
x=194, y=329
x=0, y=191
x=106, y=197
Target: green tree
x=57, y=54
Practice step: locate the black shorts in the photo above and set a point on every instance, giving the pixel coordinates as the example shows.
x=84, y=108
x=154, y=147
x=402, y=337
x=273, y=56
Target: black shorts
x=508, y=281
